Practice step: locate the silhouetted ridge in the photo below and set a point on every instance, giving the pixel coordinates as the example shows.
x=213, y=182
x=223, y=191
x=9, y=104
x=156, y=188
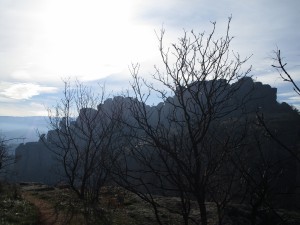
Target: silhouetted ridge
x=244, y=98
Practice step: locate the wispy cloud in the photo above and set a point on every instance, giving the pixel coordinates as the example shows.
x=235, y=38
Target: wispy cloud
x=287, y=94
x=292, y=97
x=20, y=91
x=29, y=108
x=37, y=109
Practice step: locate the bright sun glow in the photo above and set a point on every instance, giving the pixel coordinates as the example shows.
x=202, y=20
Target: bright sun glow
x=90, y=39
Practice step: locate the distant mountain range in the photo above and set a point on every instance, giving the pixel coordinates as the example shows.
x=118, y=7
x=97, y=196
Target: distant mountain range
x=23, y=129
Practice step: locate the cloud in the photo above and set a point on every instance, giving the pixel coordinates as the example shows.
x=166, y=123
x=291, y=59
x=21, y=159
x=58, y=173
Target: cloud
x=295, y=98
x=287, y=94
x=26, y=108
x=291, y=97
x=37, y=109
x=22, y=91
x=45, y=41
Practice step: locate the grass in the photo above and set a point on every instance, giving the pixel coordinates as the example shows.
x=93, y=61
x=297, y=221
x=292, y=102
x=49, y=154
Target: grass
x=15, y=210
x=132, y=212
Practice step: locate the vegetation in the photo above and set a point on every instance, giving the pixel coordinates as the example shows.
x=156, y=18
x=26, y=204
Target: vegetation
x=14, y=210
x=209, y=153
x=70, y=209
x=67, y=208
x=5, y=158
x=181, y=146
x=285, y=75
x=83, y=142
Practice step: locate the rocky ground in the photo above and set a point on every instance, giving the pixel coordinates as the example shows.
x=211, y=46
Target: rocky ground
x=33, y=203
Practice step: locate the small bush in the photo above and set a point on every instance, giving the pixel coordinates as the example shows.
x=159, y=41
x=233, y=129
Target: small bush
x=15, y=210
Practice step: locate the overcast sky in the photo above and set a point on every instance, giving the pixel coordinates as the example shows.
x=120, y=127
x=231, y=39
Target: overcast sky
x=45, y=41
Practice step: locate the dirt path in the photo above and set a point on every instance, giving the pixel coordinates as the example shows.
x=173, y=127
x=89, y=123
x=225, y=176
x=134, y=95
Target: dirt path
x=47, y=214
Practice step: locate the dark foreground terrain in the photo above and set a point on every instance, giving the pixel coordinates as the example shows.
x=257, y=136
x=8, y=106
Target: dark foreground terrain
x=32, y=203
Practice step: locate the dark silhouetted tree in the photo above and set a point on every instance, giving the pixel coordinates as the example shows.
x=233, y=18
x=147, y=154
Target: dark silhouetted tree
x=6, y=159
x=182, y=147
x=83, y=138
x=281, y=68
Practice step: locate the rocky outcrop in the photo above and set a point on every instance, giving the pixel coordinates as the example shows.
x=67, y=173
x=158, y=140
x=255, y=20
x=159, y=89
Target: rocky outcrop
x=35, y=163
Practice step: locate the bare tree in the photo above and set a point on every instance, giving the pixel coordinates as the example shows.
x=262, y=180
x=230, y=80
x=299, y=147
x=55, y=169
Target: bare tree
x=265, y=182
x=280, y=66
x=83, y=138
x=264, y=176
x=6, y=159
x=177, y=147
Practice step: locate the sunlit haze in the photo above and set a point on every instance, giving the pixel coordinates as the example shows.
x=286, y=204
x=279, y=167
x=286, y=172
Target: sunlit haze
x=94, y=41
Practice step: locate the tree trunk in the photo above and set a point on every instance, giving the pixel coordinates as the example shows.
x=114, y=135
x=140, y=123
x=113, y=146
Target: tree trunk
x=202, y=208
x=220, y=216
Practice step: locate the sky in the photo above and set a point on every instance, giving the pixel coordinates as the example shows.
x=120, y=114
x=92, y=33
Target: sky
x=43, y=42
